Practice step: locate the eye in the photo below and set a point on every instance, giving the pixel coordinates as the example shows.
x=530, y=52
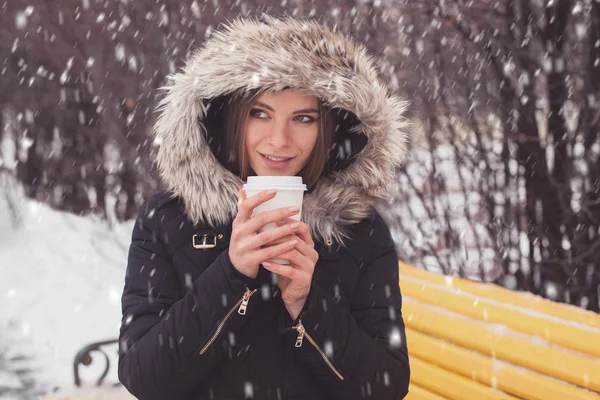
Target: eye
x=305, y=119
x=256, y=113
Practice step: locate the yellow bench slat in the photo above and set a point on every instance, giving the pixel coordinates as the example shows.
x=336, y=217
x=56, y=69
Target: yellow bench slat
x=520, y=319
x=490, y=371
x=451, y=385
x=498, y=293
x=416, y=392
x=498, y=341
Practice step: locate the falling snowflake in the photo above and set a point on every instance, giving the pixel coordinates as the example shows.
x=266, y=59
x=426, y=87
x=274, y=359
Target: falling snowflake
x=21, y=20
x=224, y=299
x=328, y=348
x=248, y=390
x=396, y=339
x=195, y=9
x=265, y=291
x=120, y=52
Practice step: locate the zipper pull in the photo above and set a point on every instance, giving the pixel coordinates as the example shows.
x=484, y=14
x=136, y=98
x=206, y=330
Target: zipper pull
x=245, y=300
x=301, y=330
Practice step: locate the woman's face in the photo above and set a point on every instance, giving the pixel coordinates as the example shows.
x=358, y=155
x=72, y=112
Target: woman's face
x=281, y=131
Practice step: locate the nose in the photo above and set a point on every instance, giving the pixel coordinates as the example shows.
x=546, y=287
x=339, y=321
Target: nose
x=279, y=136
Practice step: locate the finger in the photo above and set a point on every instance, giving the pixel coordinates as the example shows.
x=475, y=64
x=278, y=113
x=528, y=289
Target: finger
x=284, y=221
x=305, y=245
x=241, y=197
x=273, y=235
x=304, y=233
x=282, y=239
x=266, y=239
x=298, y=260
x=306, y=250
x=286, y=271
x=267, y=217
x=247, y=206
x=274, y=251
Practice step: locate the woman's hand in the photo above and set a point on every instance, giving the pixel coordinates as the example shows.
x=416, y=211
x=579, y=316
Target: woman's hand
x=245, y=250
x=294, y=280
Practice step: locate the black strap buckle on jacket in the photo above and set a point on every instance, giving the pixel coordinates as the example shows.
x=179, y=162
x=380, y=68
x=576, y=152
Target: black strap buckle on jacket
x=204, y=244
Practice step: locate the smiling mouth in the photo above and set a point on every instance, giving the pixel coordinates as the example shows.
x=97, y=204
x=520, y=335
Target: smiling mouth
x=276, y=159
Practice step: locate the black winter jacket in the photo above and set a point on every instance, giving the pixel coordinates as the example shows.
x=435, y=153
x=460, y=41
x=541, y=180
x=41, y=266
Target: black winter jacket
x=195, y=328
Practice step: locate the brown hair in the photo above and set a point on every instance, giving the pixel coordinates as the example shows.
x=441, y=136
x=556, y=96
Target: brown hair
x=238, y=108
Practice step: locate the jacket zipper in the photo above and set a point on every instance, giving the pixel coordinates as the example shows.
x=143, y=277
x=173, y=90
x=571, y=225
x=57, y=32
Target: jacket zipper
x=241, y=305
x=301, y=334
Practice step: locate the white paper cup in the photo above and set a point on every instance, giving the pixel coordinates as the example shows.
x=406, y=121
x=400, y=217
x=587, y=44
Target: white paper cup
x=290, y=192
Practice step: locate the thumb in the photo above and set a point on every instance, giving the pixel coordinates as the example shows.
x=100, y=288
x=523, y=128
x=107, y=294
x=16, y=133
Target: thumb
x=241, y=196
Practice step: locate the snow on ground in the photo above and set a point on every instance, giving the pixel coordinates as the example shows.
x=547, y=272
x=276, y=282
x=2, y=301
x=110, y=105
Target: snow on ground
x=61, y=278
x=17, y=379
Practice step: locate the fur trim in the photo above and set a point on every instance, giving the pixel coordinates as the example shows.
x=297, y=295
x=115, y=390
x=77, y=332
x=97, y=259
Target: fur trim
x=273, y=54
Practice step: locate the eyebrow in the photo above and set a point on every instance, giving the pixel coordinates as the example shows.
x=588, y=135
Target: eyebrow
x=304, y=111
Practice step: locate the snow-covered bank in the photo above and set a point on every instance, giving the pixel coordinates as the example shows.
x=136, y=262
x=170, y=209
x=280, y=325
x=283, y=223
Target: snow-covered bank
x=61, y=278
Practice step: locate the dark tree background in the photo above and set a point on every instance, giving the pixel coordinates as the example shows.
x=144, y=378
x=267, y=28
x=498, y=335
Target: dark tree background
x=503, y=180
x=514, y=78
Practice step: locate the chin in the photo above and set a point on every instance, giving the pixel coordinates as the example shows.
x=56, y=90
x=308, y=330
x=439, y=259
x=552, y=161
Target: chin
x=274, y=172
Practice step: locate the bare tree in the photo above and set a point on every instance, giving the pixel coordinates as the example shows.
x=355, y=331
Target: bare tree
x=541, y=204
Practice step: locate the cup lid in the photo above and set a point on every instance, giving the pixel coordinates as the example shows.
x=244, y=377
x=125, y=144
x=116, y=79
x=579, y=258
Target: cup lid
x=275, y=182
x=274, y=186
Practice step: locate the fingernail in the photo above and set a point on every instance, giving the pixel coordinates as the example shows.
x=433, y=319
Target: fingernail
x=295, y=225
x=271, y=192
x=294, y=209
x=293, y=242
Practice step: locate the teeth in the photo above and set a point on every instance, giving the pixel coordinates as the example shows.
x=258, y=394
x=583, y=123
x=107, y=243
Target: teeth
x=276, y=159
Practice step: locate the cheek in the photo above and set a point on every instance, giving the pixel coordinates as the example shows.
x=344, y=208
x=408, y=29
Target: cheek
x=310, y=142
x=250, y=139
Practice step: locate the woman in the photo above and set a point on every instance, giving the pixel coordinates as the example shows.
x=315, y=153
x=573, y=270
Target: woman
x=204, y=316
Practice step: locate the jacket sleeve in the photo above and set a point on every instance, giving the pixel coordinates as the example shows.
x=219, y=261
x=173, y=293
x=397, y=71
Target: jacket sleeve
x=162, y=333
x=357, y=349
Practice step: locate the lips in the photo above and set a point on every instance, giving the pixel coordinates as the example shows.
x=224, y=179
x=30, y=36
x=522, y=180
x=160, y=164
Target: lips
x=276, y=158
x=276, y=162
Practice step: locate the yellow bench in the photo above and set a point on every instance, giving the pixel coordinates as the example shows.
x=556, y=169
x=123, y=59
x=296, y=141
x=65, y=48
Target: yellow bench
x=471, y=340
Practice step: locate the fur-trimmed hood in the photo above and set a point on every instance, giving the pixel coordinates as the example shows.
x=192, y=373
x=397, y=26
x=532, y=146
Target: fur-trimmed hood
x=272, y=54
